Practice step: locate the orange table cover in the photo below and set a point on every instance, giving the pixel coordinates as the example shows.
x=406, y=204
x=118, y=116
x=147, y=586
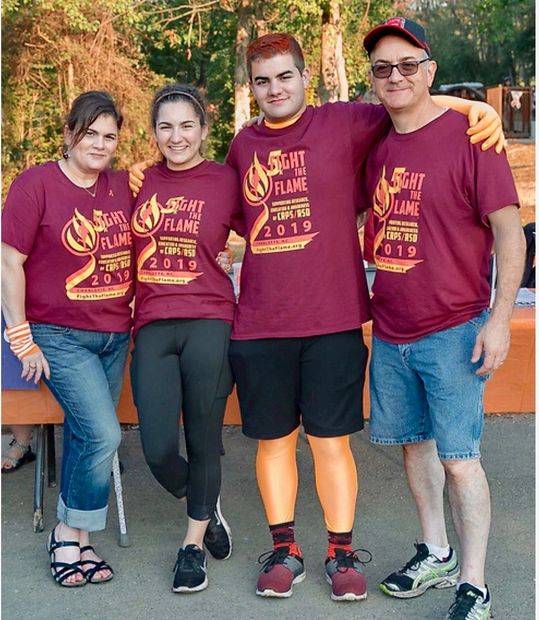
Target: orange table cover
x=511, y=389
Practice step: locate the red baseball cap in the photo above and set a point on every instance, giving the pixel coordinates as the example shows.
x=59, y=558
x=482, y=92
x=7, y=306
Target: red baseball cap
x=399, y=26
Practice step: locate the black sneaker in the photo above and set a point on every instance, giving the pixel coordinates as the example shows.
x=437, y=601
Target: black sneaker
x=217, y=539
x=190, y=570
x=469, y=604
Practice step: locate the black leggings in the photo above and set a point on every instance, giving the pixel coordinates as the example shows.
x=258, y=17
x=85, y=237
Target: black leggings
x=182, y=365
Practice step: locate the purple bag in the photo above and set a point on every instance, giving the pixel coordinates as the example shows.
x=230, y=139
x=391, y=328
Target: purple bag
x=11, y=368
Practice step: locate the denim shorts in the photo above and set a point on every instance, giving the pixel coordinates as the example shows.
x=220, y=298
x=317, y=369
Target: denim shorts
x=428, y=389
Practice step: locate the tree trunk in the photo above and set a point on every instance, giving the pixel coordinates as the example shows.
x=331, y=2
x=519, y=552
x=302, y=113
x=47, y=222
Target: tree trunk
x=70, y=84
x=241, y=76
x=333, y=84
x=261, y=24
x=341, y=68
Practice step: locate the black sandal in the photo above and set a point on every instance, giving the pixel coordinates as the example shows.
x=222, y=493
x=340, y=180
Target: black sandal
x=62, y=570
x=97, y=566
x=27, y=456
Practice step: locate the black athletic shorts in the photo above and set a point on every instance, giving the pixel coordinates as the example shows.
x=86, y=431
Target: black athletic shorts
x=315, y=380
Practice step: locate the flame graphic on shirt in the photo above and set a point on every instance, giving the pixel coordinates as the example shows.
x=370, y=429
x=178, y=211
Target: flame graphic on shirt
x=383, y=204
x=81, y=238
x=145, y=222
x=147, y=217
x=79, y=235
x=383, y=201
x=257, y=187
x=257, y=183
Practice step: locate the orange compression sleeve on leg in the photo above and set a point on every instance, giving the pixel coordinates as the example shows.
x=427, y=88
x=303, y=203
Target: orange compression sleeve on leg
x=277, y=477
x=336, y=480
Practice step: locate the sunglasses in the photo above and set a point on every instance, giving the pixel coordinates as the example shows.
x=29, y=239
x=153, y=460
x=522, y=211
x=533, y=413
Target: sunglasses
x=405, y=68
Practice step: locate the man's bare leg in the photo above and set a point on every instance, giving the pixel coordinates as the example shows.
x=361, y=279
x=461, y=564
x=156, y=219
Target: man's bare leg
x=470, y=505
x=426, y=479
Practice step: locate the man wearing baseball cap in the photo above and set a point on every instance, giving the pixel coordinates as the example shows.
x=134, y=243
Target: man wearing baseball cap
x=438, y=205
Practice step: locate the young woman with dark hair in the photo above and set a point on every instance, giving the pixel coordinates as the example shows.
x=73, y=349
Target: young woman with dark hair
x=183, y=317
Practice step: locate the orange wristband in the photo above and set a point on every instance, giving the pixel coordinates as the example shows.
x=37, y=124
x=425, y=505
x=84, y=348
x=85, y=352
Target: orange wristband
x=20, y=340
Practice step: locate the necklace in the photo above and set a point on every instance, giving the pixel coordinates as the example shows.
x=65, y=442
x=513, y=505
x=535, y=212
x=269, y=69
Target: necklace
x=76, y=181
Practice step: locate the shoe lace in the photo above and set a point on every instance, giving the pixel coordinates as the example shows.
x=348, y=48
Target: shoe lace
x=462, y=606
x=186, y=560
x=345, y=559
x=414, y=563
x=273, y=557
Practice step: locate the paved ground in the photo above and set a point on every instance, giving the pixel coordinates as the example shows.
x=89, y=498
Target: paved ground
x=385, y=525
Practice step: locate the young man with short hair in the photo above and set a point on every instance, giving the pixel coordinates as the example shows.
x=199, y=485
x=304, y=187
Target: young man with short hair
x=297, y=349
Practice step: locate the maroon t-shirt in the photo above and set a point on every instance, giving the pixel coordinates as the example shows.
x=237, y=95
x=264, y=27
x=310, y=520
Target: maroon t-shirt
x=431, y=192
x=302, y=273
x=181, y=221
x=79, y=270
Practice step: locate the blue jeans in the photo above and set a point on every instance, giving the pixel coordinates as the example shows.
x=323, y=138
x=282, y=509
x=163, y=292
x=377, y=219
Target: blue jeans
x=87, y=370
x=428, y=389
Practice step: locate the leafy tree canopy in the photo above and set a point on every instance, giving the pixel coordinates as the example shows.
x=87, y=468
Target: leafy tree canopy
x=54, y=49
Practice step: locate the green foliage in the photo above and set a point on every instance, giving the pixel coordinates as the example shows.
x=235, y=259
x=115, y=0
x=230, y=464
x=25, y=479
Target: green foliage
x=205, y=59
x=54, y=49
x=481, y=40
x=359, y=17
x=303, y=19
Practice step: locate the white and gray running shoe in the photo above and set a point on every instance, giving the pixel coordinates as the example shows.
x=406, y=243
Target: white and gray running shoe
x=423, y=571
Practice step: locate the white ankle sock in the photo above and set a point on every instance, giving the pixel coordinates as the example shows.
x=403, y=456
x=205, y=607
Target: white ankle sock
x=440, y=552
x=483, y=591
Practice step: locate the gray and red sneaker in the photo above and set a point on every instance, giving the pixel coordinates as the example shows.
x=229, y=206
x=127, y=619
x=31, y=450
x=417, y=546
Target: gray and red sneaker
x=283, y=567
x=344, y=572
